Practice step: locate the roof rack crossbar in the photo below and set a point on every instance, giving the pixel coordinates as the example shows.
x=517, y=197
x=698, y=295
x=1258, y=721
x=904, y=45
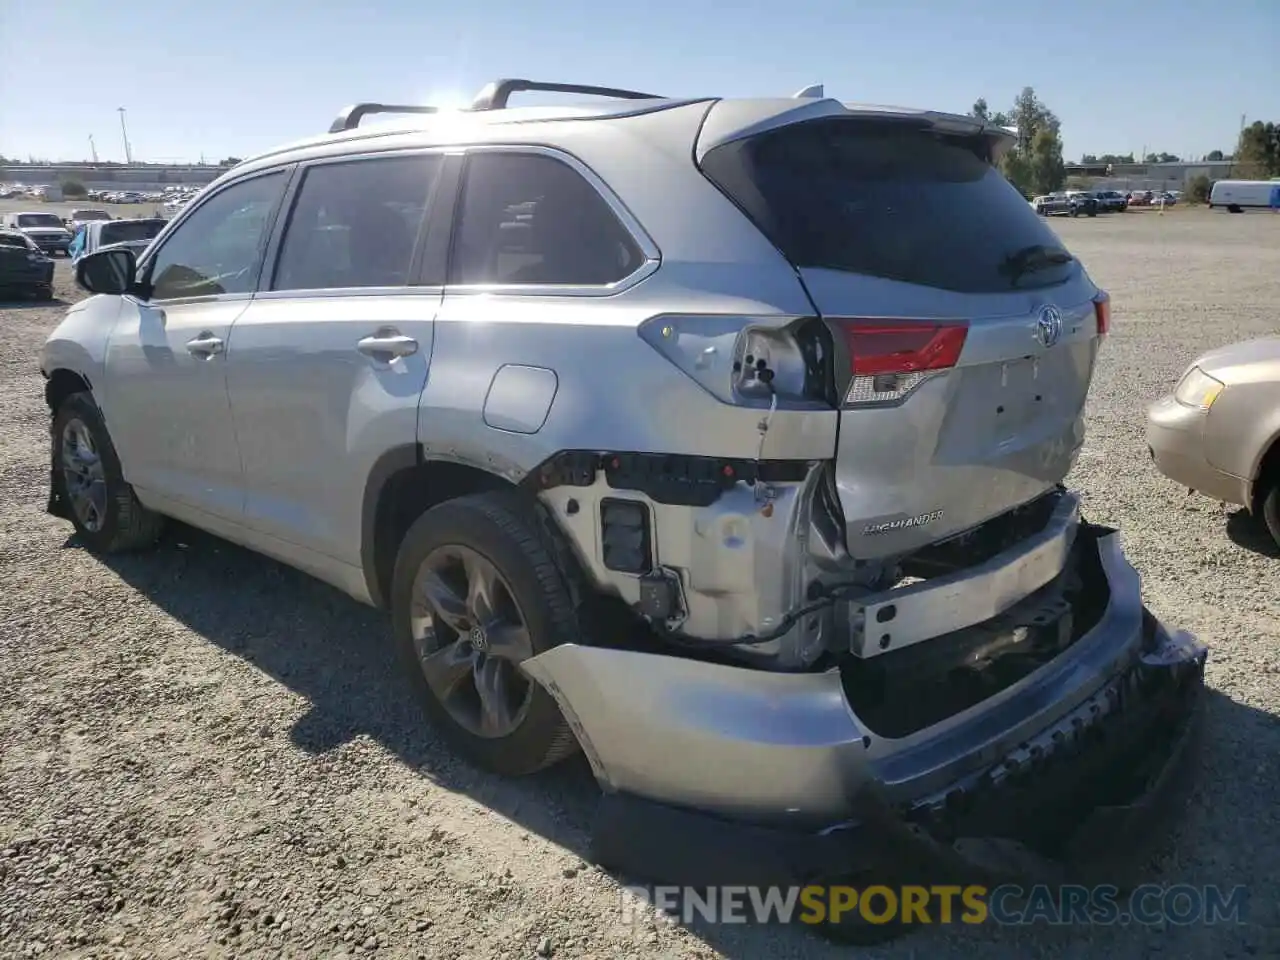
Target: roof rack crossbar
x=350, y=118
x=496, y=94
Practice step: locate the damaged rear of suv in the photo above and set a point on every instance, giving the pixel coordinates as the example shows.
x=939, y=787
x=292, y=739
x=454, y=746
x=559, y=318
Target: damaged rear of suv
x=916, y=641
x=722, y=439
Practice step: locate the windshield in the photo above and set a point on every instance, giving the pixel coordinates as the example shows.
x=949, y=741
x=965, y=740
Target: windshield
x=123, y=230
x=38, y=220
x=90, y=215
x=14, y=240
x=884, y=200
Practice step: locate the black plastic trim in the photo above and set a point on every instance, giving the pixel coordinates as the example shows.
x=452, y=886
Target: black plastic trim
x=672, y=479
x=390, y=463
x=350, y=118
x=495, y=95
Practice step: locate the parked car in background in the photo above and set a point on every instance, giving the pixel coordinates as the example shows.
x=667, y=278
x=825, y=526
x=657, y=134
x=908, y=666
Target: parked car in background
x=1082, y=202
x=76, y=218
x=1070, y=204
x=1140, y=198
x=46, y=229
x=1240, y=195
x=24, y=269
x=1111, y=201
x=1218, y=431
x=136, y=234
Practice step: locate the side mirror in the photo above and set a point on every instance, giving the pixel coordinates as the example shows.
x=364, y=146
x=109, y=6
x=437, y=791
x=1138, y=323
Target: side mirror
x=107, y=271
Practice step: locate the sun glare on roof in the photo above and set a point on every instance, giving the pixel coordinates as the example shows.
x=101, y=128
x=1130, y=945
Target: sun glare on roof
x=447, y=101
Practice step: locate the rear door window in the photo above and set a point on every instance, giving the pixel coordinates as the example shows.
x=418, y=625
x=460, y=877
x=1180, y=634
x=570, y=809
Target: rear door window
x=531, y=219
x=886, y=200
x=355, y=224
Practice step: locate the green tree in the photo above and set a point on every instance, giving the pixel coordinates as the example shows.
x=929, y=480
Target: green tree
x=1034, y=164
x=1045, y=163
x=72, y=189
x=1198, y=189
x=1258, y=153
x=1215, y=155
x=1161, y=158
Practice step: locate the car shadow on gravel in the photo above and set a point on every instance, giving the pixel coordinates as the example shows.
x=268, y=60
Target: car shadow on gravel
x=32, y=304
x=1246, y=530
x=337, y=654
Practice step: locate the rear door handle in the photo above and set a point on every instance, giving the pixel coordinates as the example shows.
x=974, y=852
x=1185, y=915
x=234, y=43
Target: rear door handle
x=206, y=345
x=386, y=347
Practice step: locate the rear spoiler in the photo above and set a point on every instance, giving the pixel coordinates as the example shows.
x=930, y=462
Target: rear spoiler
x=730, y=120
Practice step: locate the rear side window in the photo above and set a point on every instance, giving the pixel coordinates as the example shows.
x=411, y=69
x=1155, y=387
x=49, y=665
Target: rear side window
x=355, y=224
x=532, y=219
x=885, y=200
x=122, y=231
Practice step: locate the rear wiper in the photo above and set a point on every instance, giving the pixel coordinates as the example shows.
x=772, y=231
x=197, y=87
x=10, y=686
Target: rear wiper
x=1030, y=259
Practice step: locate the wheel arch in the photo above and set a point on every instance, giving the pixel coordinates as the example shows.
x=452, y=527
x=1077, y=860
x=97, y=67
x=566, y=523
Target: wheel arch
x=61, y=383
x=403, y=484
x=1267, y=468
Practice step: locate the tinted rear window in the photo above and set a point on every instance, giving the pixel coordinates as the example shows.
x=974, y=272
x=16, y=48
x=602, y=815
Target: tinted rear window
x=120, y=231
x=38, y=220
x=885, y=200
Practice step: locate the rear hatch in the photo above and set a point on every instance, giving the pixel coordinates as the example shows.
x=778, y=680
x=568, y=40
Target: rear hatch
x=963, y=333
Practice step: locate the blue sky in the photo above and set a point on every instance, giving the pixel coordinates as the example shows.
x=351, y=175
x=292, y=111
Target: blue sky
x=234, y=77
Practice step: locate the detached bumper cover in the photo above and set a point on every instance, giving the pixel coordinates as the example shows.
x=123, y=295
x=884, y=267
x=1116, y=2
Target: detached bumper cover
x=721, y=775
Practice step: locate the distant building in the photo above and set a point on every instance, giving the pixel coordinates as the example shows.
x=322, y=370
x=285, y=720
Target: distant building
x=1151, y=176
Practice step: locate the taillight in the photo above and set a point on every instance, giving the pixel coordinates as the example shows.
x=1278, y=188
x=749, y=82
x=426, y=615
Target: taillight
x=891, y=358
x=1102, y=312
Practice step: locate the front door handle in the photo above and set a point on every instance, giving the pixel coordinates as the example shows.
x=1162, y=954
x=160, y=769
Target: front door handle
x=386, y=347
x=204, y=346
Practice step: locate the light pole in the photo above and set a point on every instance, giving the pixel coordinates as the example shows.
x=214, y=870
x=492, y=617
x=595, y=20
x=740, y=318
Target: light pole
x=124, y=132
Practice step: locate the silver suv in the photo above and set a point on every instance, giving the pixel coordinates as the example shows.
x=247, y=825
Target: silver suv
x=721, y=439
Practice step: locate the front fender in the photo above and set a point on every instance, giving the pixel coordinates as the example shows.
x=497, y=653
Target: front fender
x=1241, y=427
x=79, y=344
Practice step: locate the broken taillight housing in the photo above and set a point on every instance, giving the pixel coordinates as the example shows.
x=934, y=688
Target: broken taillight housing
x=888, y=359
x=743, y=359
x=1102, y=312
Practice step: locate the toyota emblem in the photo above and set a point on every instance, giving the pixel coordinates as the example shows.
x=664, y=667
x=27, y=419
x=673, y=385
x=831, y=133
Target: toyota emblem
x=1049, y=325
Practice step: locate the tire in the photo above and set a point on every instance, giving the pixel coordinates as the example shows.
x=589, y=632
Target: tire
x=43, y=293
x=1269, y=508
x=505, y=530
x=125, y=523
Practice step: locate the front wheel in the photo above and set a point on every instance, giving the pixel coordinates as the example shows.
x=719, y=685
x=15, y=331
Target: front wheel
x=476, y=591
x=1269, y=508
x=86, y=473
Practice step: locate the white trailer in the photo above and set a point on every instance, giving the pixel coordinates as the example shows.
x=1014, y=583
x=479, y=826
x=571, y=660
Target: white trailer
x=1240, y=195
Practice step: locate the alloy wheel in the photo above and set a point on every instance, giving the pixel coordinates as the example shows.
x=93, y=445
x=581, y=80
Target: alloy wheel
x=471, y=636
x=83, y=476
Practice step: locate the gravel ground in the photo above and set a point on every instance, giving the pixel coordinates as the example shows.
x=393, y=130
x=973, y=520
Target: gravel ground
x=203, y=753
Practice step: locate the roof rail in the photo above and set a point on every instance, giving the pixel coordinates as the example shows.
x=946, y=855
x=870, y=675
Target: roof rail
x=350, y=118
x=495, y=95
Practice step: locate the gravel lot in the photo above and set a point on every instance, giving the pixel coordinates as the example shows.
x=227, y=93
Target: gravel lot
x=203, y=753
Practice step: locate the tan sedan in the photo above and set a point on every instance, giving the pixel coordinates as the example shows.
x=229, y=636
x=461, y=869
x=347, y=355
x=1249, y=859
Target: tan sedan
x=1218, y=433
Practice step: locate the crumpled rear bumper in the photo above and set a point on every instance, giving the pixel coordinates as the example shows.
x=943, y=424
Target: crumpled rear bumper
x=722, y=775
